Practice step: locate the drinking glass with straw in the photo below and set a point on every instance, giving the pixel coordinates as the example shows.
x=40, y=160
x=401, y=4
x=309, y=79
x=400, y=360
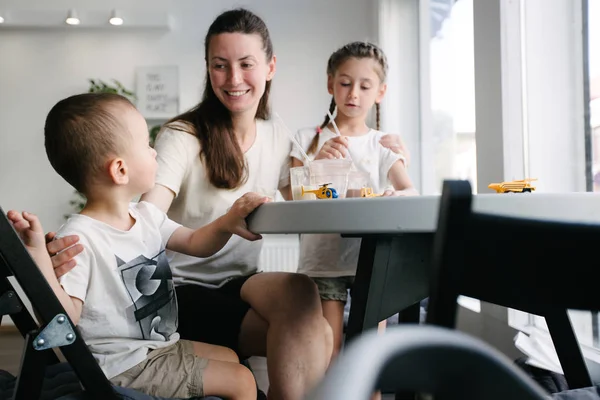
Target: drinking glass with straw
x=293, y=139
x=337, y=131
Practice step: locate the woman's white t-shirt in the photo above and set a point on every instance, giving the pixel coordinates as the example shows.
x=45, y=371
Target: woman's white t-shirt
x=329, y=255
x=197, y=202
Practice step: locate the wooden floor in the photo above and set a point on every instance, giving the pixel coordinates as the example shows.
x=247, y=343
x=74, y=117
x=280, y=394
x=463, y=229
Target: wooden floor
x=11, y=348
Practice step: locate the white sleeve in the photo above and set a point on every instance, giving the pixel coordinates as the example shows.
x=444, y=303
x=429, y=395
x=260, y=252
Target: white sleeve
x=76, y=281
x=175, y=153
x=387, y=159
x=165, y=225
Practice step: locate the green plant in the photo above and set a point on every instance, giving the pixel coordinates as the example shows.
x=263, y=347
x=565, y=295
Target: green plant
x=99, y=86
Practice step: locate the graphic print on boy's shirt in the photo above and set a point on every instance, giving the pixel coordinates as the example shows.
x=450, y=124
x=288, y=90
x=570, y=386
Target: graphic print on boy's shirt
x=149, y=283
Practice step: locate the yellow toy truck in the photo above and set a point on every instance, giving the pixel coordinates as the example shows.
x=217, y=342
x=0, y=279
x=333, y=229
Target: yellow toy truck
x=518, y=186
x=368, y=192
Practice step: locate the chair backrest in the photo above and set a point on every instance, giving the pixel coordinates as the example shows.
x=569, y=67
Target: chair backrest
x=526, y=264
x=424, y=359
x=15, y=261
x=537, y=266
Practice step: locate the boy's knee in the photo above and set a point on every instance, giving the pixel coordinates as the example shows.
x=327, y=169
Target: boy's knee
x=244, y=379
x=227, y=354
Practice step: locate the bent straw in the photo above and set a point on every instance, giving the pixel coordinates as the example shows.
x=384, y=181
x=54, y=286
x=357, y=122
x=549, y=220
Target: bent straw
x=335, y=127
x=293, y=138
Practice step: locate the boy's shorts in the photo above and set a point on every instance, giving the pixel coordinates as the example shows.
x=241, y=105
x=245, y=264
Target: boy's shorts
x=172, y=371
x=334, y=288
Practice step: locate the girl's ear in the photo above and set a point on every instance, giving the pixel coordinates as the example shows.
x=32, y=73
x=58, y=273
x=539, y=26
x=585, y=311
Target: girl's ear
x=330, y=84
x=117, y=170
x=381, y=93
x=272, y=67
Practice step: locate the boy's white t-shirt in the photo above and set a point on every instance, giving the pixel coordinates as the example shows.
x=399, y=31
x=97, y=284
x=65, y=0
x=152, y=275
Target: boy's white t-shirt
x=330, y=255
x=197, y=202
x=125, y=283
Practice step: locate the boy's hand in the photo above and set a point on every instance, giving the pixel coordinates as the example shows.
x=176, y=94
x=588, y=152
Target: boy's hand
x=62, y=252
x=29, y=228
x=334, y=148
x=236, y=216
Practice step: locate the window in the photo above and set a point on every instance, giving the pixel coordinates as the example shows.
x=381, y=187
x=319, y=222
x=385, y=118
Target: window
x=559, y=74
x=452, y=90
x=593, y=58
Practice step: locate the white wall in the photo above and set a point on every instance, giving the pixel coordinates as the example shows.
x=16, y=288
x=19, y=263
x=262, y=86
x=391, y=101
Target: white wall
x=39, y=67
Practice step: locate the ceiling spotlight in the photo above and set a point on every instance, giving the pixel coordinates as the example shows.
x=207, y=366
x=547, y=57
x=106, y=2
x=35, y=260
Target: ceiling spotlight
x=115, y=18
x=72, y=18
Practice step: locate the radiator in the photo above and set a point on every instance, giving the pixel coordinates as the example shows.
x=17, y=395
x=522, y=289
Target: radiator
x=279, y=253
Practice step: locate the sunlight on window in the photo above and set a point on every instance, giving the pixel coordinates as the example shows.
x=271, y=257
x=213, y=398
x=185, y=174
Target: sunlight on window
x=594, y=79
x=453, y=90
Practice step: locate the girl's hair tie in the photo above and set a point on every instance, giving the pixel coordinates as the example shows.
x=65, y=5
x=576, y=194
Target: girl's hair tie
x=319, y=130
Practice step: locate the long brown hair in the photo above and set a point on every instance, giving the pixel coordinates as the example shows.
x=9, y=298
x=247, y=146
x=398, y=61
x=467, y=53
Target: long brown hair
x=340, y=56
x=211, y=121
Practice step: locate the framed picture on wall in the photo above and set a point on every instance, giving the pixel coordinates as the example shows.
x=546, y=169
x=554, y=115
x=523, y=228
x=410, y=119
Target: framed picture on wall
x=157, y=90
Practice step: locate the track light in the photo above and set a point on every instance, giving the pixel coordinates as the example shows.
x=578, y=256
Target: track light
x=72, y=18
x=115, y=18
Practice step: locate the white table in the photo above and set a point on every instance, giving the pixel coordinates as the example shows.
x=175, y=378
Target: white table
x=397, y=236
x=412, y=214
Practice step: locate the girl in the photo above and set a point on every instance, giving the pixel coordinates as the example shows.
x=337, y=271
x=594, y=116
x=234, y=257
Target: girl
x=356, y=79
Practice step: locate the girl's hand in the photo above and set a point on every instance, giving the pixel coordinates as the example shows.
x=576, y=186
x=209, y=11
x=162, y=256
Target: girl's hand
x=236, y=216
x=334, y=148
x=396, y=144
x=401, y=193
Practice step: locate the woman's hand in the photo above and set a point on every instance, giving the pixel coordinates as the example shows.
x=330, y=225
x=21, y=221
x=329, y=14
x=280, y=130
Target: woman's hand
x=396, y=144
x=62, y=252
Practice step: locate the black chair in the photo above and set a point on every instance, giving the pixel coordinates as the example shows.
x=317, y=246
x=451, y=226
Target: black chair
x=447, y=364
x=41, y=375
x=537, y=266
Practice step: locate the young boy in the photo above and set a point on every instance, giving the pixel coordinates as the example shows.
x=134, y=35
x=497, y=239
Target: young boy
x=121, y=293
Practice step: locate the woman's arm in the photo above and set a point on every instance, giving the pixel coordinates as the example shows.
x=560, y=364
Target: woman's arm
x=160, y=196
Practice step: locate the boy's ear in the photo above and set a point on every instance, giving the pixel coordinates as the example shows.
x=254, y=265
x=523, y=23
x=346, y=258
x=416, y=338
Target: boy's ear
x=330, y=84
x=117, y=170
x=381, y=93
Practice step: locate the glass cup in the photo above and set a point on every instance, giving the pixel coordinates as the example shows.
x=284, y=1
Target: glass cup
x=357, y=180
x=267, y=192
x=300, y=179
x=331, y=172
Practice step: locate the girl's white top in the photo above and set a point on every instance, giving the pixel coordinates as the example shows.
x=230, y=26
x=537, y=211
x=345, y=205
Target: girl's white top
x=328, y=255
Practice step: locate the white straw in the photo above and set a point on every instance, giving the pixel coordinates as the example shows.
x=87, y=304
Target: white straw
x=333, y=123
x=335, y=127
x=293, y=138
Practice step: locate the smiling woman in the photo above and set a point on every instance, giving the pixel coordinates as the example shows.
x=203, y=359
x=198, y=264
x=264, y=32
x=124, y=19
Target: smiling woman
x=210, y=155
x=236, y=75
